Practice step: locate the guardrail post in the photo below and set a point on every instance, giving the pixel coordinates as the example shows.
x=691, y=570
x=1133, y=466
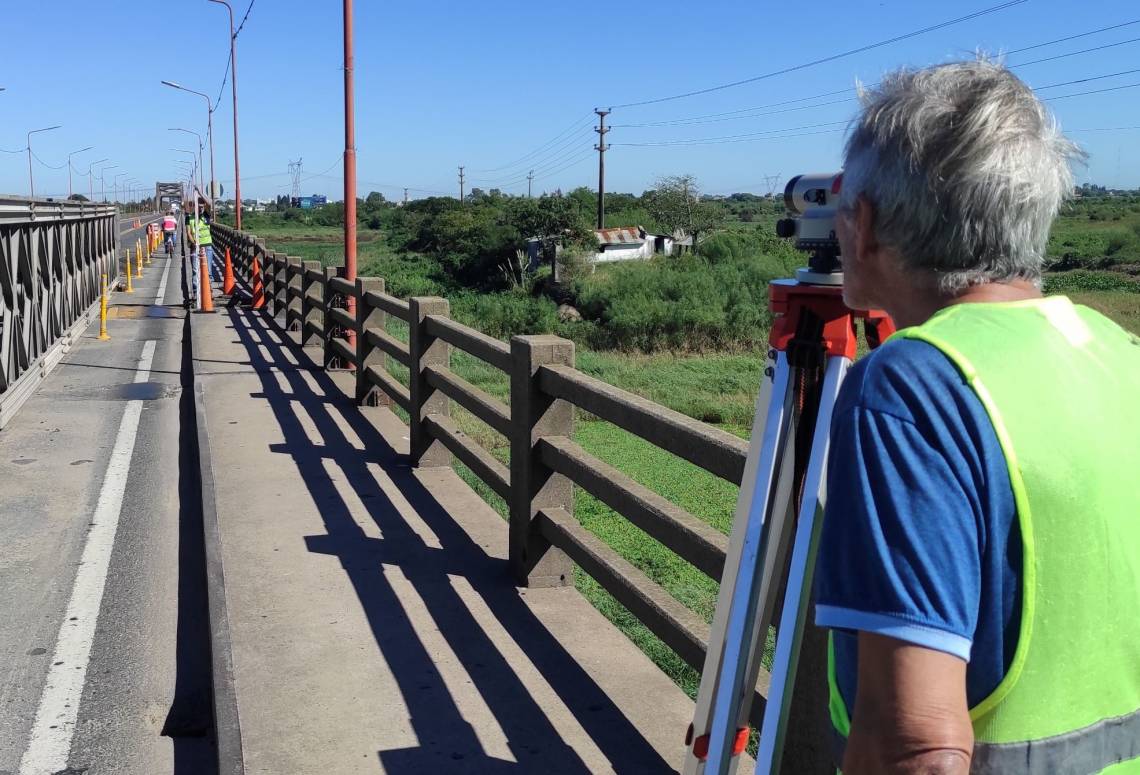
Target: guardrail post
x=533, y=561
x=280, y=282
x=269, y=272
x=294, y=307
x=426, y=350
x=367, y=355
x=309, y=313
x=330, y=327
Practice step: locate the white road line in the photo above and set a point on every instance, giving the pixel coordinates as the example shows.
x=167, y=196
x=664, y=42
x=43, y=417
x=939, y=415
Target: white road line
x=162, y=285
x=50, y=741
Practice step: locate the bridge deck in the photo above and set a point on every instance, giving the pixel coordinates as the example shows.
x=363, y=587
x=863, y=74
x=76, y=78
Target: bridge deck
x=373, y=622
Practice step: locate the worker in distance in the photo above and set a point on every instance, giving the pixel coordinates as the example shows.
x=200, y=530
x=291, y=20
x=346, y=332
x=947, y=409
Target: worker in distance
x=979, y=565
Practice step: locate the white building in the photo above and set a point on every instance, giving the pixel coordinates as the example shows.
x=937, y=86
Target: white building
x=627, y=243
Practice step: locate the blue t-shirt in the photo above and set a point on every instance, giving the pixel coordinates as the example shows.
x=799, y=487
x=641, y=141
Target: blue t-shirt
x=920, y=538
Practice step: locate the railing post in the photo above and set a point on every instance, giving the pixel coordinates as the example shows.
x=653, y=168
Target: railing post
x=533, y=561
x=330, y=360
x=426, y=350
x=270, y=272
x=309, y=313
x=280, y=282
x=294, y=307
x=367, y=355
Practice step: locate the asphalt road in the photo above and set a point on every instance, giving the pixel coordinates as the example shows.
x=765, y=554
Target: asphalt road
x=104, y=662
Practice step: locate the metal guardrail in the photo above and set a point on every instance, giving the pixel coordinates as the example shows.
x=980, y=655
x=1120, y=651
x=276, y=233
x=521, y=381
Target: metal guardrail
x=545, y=464
x=52, y=258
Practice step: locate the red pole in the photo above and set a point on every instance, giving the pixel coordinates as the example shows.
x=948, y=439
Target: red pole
x=233, y=90
x=349, y=167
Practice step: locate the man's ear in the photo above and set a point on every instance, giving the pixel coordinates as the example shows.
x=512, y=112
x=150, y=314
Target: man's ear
x=866, y=245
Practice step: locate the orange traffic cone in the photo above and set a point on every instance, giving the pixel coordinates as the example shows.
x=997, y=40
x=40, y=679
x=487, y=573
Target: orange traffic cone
x=258, y=300
x=204, y=289
x=228, y=281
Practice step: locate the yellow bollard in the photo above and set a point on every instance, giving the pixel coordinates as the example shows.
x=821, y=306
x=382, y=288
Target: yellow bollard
x=138, y=261
x=130, y=288
x=103, y=335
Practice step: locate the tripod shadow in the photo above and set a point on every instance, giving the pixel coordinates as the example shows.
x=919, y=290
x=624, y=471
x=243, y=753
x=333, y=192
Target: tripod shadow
x=447, y=741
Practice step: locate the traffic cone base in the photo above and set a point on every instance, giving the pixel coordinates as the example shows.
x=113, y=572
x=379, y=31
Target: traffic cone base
x=228, y=281
x=205, y=292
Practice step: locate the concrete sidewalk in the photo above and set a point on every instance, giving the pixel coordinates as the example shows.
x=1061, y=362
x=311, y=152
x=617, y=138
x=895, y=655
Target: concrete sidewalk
x=374, y=624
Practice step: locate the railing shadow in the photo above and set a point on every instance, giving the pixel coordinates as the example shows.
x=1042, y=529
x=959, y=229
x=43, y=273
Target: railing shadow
x=448, y=742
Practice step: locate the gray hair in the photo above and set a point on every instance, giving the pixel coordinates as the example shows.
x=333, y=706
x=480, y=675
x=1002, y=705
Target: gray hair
x=965, y=168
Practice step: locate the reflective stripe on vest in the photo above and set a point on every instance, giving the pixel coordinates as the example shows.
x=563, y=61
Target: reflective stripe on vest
x=1059, y=383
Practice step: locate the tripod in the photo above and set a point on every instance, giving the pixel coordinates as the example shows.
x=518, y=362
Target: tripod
x=775, y=534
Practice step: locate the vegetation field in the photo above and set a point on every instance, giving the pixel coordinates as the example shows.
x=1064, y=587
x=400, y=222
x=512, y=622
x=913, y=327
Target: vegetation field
x=687, y=332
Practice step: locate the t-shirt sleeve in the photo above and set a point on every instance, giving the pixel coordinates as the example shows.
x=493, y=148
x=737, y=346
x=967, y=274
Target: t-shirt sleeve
x=899, y=549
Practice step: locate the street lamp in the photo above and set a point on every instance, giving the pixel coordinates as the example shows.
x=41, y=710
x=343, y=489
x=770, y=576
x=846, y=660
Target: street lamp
x=103, y=181
x=81, y=150
x=209, y=129
x=191, y=132
x=233, y=91
x=115, y=185
x=90, y=185
x=31, y=181
x=192, y=156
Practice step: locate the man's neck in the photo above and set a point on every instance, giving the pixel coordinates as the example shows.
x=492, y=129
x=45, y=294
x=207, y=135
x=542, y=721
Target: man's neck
x=915, y=309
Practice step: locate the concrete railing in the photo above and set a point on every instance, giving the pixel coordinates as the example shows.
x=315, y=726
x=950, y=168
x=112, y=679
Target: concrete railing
x=545, y=462
x=52, y=258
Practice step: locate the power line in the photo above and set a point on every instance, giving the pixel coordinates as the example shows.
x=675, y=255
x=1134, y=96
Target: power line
x=44, y=163
x=766, y=134
x=580, y=122
x=735, y=115
x=226, y=75
x=1095, y=91
x=831, y=58
x=557, y=155
x=19, y=150
x=1075, y=53
x=1073, y=37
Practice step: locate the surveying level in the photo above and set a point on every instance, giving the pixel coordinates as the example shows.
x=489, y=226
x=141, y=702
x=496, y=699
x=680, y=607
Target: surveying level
x=776, y=528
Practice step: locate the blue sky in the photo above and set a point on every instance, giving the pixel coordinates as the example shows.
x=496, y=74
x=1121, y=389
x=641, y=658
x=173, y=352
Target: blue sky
x=487, y=84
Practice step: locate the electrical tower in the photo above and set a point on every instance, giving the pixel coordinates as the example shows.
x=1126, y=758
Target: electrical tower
x=601, y=149
x=461, y=183
x=529, y=180
x=295, y=173
x=771, y=181
x=405, y=196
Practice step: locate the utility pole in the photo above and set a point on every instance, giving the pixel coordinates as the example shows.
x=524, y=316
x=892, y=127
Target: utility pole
x=461, y=184
x=529, y=180
x=601, y=149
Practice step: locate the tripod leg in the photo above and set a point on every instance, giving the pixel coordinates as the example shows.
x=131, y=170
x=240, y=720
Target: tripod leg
x=732, y=659
x=789, y=633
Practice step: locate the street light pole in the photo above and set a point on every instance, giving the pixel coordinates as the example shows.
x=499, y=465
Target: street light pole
x=233, y=91
x=103, y=181
x=31, y=180
x=90, y=183
x=191, y=132
x=196, y=163
x=209, y=131
x=70, y=193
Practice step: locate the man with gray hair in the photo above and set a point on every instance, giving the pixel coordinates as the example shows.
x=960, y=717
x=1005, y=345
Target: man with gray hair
x=979, y=568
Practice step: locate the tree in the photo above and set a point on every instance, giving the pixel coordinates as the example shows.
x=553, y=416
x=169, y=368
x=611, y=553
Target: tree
x=374, y=199
x=675, y=202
